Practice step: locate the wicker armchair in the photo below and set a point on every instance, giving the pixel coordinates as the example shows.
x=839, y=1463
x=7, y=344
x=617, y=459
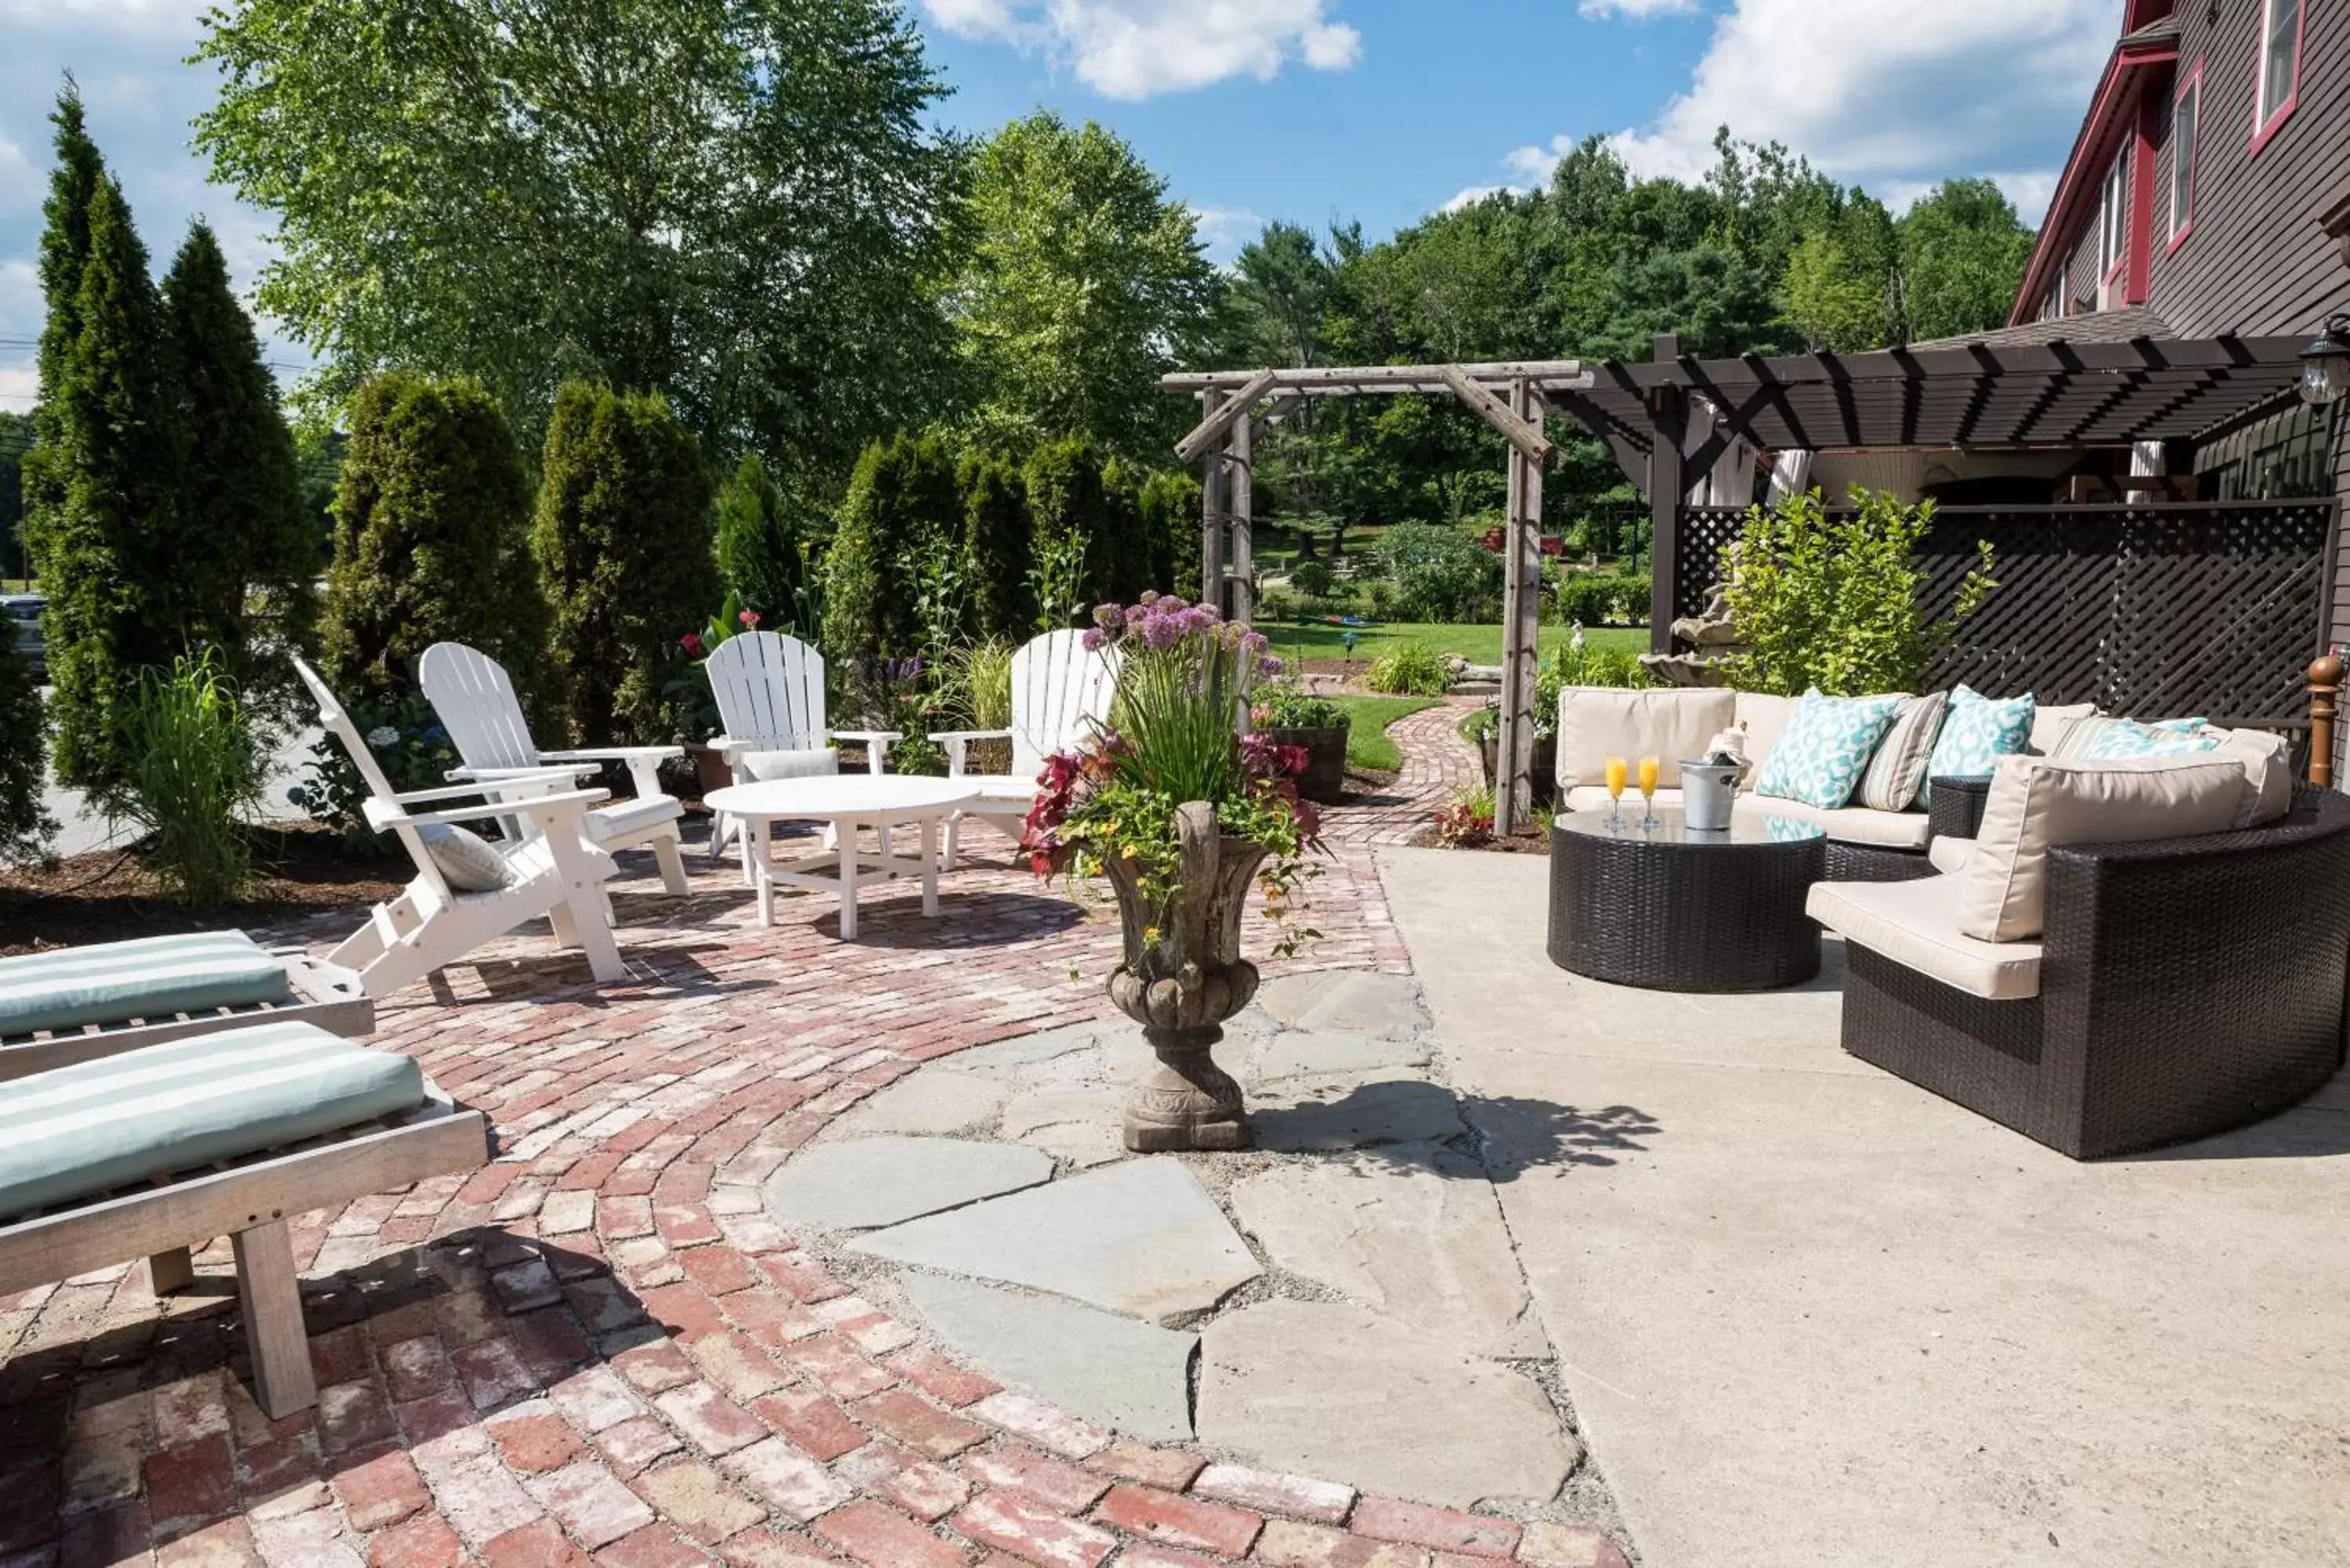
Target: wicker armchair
x=2187, y=987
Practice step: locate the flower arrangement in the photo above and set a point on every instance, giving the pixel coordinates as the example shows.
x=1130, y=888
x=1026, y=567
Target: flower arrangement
x=1468, y=821
x=1290, y=708
x=1172, y=739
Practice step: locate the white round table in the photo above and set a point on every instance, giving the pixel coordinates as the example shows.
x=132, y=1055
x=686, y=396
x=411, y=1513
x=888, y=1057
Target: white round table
x=844, y=802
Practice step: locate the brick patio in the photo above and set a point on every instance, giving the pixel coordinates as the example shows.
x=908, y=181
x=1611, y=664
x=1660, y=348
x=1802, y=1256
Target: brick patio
x=599, y=1349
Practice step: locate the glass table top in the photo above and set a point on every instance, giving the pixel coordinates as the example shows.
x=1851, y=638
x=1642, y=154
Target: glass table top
x=1746, y=828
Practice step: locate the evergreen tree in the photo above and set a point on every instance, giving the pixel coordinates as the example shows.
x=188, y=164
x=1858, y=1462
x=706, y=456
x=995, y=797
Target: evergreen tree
x=109, y=465
x=623, y=541
x=1170, y=524
x=65, y=251
x=1120, y=562
x=758, y=552
x=243, y=525
x=1065, y=497
x=997, y=531
x=902, y=501
x=24, y=828
x=15, y=436
x=431, y=541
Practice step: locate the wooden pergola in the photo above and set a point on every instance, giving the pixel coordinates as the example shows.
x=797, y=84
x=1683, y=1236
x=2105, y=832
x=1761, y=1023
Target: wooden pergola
x=1514, y=398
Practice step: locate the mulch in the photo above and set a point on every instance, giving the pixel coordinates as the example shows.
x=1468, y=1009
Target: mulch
x=111, y=896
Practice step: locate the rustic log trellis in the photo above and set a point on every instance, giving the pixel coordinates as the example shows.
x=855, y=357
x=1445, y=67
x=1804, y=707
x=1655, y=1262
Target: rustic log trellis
x=1514, y=399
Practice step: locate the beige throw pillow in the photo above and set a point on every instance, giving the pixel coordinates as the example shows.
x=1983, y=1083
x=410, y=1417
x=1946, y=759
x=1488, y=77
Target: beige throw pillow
x=1596, y=722
x=1764, y=719
x=2049, y=726
x=1898, y=768
x=2037, y=803
x=2268, y=773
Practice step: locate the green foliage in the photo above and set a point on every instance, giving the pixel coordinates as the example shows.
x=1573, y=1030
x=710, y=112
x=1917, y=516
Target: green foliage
x=245, y=555
x=15, y=436
x=1831, y=598
x=74, y=184
x=107, y=531
x=733, y=203
x=1836, y=301
x=1440, y=574
x=622, y=542
x=1410, y=669
x=1586, y=662
x=1314, y=580
x=405, y=737
x=24, y=828
x=1586, y=599
x=1082, y=282
x=432, y=541
x=997, y=537
x=1963, y=251
x=901, y=506
x=762, y=558
x=1070, y=513
x=1169, y=506
x=194, y=781
x=974, y=685
x=1292, y=708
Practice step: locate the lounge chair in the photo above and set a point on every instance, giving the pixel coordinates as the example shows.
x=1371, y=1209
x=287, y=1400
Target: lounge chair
x=556, y=873
x=476, y=701
x=156, y=1151
x=770, y=692
x=1060, y=695
x=75, y=1004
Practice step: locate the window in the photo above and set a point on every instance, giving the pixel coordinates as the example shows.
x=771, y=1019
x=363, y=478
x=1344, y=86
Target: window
x=2053, y=307
x=2113, y=228
x=2280, y=67
x=2186, y=154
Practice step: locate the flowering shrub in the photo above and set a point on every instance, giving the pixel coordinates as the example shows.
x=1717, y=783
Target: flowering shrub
x=693, y=707
x=409, y=745
x=1288, y=708
x=1171, y=739
x=1468, y=821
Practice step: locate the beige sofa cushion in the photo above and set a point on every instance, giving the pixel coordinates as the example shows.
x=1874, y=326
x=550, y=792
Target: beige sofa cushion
x=2268, y=773
x=2036, y=803
x=1947, y=854
x=1897, y=772
x=2049, y=725
x=1596, y=722
x=1766, y=719
x=1915, y=923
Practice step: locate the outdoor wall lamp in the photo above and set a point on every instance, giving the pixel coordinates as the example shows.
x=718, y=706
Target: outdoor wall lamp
x=2325, y=364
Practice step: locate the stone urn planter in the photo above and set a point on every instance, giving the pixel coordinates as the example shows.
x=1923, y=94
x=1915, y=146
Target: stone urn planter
x=1182, y=986
x=1324, y=781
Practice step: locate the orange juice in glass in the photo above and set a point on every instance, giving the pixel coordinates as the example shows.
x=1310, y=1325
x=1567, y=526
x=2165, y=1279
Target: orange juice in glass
x=1616, y=770
x=1649, y=766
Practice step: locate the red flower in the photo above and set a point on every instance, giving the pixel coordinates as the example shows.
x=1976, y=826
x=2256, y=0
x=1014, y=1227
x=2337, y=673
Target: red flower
x=749, y=617
x=691, y=643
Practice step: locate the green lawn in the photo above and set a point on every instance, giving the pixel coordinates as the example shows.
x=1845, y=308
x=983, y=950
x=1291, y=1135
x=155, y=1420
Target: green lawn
x=1477, y=644
x=1368, y=719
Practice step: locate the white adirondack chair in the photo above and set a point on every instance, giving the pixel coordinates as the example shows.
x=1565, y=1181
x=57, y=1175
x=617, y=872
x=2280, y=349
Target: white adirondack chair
x=1060, y=697
x=557, y=872
x=770, y=691
x=476, y=701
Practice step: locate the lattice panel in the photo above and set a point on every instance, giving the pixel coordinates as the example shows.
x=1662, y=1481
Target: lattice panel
x=2157, y=611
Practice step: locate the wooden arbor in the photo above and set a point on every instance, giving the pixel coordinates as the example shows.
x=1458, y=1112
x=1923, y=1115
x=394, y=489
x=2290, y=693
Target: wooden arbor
x=1512, y=397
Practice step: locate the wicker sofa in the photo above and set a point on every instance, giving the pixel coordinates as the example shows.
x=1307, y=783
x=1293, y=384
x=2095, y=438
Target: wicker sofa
x=2182, y=987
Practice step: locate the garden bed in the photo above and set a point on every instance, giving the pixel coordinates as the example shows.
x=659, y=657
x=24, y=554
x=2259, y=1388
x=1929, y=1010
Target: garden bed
x=109, y=895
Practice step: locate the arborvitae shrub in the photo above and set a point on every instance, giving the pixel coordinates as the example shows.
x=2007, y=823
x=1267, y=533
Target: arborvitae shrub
x=996, y=536
x=759, y=551
x=901, y=502
x=1170, y=526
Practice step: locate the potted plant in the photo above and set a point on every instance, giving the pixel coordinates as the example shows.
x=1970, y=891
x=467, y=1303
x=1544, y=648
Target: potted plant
x=1315, y=726
x=692, y=702
x=1184, y=818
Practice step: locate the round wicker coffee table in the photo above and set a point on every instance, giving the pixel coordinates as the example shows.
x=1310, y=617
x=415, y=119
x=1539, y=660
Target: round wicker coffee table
x=1674, y=909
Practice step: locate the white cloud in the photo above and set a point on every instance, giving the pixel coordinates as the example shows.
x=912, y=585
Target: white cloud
x=1224, y=229
x=1640, y=10
x=1473, y=195
x=1889, y=92
x=1140, y=48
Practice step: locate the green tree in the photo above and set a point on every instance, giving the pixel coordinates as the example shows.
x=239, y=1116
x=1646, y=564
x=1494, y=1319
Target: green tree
x=902, y=501
x=65, y=252
x=1072, y=523
x=1962, y=258
x=761, y=558
x=16, y=437
x=735, y=202
x=24, y=828
x=431, y=541
x=105, y=539
x=623, y=544
x=1123, y=566
x=1830, y=299
x=1170, y=521
x=1083, y=283
x=244, y=552
x=997, y=537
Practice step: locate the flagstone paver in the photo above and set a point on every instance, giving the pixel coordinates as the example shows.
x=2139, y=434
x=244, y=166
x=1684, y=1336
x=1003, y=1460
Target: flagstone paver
x=859, y=1183
x=667, y=1100
x=1109, y=1369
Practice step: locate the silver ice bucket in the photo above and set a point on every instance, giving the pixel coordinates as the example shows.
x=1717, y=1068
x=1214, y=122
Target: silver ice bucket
x=1708, y=792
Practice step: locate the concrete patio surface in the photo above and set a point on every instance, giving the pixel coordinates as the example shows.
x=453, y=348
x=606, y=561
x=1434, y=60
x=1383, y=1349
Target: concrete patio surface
x=1809, y=1314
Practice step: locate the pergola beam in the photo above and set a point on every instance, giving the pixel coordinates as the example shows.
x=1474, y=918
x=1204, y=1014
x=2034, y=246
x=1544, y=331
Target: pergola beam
x=1211, y=430
x=1546, y=375
x=1521, y=433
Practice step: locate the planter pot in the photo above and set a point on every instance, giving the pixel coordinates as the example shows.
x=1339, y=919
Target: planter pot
x=1182, y=985
x=1325, y=779
x=710, y=769
x=1545, y=766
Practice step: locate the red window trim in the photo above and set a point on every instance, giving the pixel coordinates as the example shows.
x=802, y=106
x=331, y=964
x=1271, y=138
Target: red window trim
x=2263, y=130
x=2191, y=83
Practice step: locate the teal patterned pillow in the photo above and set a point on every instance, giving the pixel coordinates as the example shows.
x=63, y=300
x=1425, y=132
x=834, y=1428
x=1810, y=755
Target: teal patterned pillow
x=1825, y=747
x=2124, y=738
x=1977, y=730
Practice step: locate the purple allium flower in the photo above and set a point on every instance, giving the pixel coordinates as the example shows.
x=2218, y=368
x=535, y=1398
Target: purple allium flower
x=1094, y=639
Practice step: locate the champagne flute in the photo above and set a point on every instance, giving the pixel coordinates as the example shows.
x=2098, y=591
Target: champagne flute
x=1649, y=766
x=1616, y=770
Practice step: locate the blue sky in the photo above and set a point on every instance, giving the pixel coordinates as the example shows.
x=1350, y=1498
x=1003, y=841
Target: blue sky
x=1306, y=110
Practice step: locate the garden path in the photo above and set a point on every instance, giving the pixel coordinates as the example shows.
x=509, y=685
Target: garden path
x=600, y=1349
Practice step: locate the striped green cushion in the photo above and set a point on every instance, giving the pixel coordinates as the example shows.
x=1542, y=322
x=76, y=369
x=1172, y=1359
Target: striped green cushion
x=87, y=1128
x=152, y=977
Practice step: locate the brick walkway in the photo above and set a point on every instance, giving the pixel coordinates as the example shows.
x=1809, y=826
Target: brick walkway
x=599, y=1348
